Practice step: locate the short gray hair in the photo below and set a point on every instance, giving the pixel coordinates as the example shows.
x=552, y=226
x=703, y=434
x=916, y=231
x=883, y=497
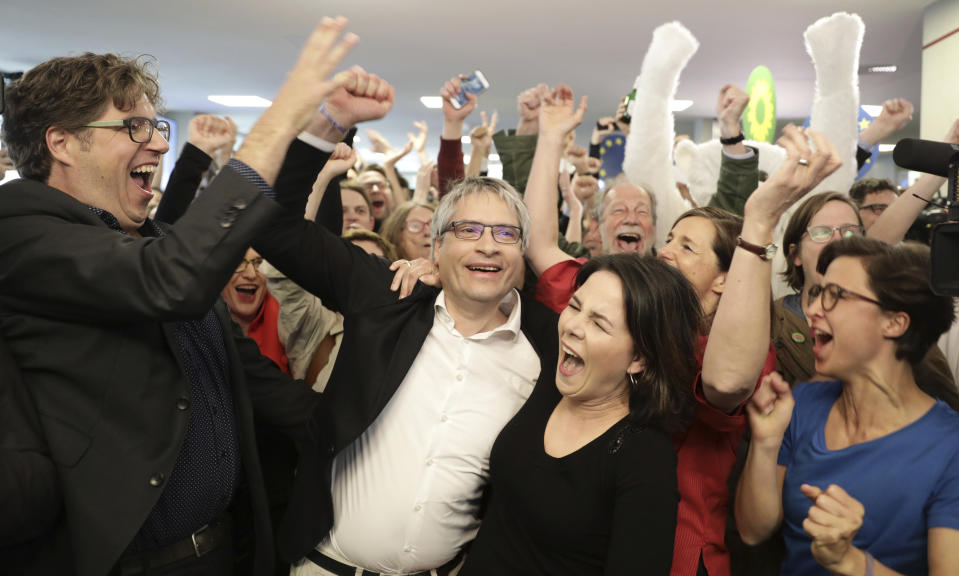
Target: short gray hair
x=447, y=207
x=599, y=204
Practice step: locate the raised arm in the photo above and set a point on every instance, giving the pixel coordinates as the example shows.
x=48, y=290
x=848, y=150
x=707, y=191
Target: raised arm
x=342, y=159
x=393, y=155
x=481, y=142
x=558, y=117
x=894, y=222
x=759, y=501
x=181, y=274
x=450, y=160
x=516, y=148
x=739, y=166
x=739, y=338
x=207, y=134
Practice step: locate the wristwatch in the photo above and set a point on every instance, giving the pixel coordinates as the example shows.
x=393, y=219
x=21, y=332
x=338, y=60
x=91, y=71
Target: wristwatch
x=765, y=253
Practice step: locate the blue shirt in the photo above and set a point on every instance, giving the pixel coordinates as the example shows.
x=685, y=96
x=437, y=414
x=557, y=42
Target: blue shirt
x=907, y=481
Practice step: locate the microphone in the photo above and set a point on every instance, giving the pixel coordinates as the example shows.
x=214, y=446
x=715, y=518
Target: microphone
x=925, y=156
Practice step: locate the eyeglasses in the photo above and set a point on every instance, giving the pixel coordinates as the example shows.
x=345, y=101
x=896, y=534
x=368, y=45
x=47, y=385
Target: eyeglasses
x=822, y=234
x=140, y=127
x=832, y=293
x=242, y=267
x=502, y=233
x=370, y=186
x=415, y=226
x=876, y=209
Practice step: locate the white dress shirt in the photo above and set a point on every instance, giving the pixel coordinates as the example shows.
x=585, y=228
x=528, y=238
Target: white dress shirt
x=406, y=493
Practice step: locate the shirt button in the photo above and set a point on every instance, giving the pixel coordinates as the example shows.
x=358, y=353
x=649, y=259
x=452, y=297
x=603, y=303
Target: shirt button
x=407, y=548
x=157, y=480
x=429, y=461
x=418, y=507
x=459, y=377
x=444, y=418
x=182, y=404
x=239, y=204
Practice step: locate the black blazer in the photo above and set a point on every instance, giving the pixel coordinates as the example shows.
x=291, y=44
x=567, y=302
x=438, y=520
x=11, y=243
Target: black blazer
x=88, y=314
x=381, y=338
x=29, y=495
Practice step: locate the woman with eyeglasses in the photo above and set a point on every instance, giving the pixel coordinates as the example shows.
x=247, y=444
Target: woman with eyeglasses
x=861, y=470
x=408, y=229
x=819, y=221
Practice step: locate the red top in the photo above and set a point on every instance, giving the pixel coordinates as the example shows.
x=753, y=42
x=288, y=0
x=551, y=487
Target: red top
x=263, y=331
x=706, y=451
x=449, y=164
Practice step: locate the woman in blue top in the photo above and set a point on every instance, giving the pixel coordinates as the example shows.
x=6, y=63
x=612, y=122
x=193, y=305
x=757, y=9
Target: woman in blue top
x=862, y=472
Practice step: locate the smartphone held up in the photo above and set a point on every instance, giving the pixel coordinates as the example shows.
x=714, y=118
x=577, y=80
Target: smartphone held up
x=475, y=83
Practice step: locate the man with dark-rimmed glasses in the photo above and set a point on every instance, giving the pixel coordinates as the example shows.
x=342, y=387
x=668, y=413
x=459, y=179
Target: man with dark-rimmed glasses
x=421, y=387
x=144, y=387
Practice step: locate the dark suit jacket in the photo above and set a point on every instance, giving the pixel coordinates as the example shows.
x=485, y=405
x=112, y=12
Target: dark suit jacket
x=29, y=495
x=89, y=315
x=381, y=338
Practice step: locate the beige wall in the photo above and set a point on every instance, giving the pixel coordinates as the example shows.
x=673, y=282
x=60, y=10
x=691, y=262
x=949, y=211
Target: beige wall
x=940, y=69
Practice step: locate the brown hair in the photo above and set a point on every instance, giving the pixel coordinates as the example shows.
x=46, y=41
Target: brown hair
x=899, y=276
x=797, y=227
x=392, y=227
x=728, y=226
x=867, y=186
x=69, y=93
x=389, y=251
x=359, y=189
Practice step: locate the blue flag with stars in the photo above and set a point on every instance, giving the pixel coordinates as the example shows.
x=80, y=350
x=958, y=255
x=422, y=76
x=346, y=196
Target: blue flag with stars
x=612, y=151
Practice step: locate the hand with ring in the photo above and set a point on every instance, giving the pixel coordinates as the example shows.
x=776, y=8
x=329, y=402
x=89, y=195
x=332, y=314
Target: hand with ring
x=419, y=270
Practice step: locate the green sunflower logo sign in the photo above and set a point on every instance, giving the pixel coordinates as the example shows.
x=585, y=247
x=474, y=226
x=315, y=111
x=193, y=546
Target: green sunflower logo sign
x=759, y=119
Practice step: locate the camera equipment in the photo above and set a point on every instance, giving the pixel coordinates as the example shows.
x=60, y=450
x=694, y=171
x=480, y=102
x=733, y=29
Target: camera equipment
x=940, y=159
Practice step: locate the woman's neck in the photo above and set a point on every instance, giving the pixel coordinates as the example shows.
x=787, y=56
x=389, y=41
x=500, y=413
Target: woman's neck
x=881, y=399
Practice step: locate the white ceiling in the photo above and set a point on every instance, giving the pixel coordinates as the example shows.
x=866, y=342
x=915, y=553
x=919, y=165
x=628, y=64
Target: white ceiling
x=246, y=47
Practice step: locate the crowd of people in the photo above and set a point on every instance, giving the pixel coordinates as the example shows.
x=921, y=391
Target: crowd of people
x=294, y=362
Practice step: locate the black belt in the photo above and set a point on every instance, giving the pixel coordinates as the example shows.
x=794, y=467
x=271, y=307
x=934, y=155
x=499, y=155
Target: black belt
x=341, y=569
x=207, y=539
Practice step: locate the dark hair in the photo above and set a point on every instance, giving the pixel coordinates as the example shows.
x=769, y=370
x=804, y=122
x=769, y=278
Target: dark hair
x=69, y=93
x=664, y=316
x=798, y=223
x=899, y=277
x=867, y=186
x=728, y=226
x=389, y=252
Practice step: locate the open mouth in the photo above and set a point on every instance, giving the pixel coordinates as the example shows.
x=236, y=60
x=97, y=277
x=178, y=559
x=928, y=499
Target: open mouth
x=629, y=241
x=378, y=204
x=484, y=269
x=246, y=293
x=143, y=177
x=570, y=363
x=822, y=339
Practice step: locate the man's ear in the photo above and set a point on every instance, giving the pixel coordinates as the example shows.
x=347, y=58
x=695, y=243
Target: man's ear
x=61, y=145
x=895, y=325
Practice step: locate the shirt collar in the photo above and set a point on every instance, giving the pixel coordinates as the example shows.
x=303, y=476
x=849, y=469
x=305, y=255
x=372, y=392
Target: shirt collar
x=149, y=227
x=510, y=305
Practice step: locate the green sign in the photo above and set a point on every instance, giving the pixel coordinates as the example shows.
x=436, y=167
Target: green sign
x=759, y=119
